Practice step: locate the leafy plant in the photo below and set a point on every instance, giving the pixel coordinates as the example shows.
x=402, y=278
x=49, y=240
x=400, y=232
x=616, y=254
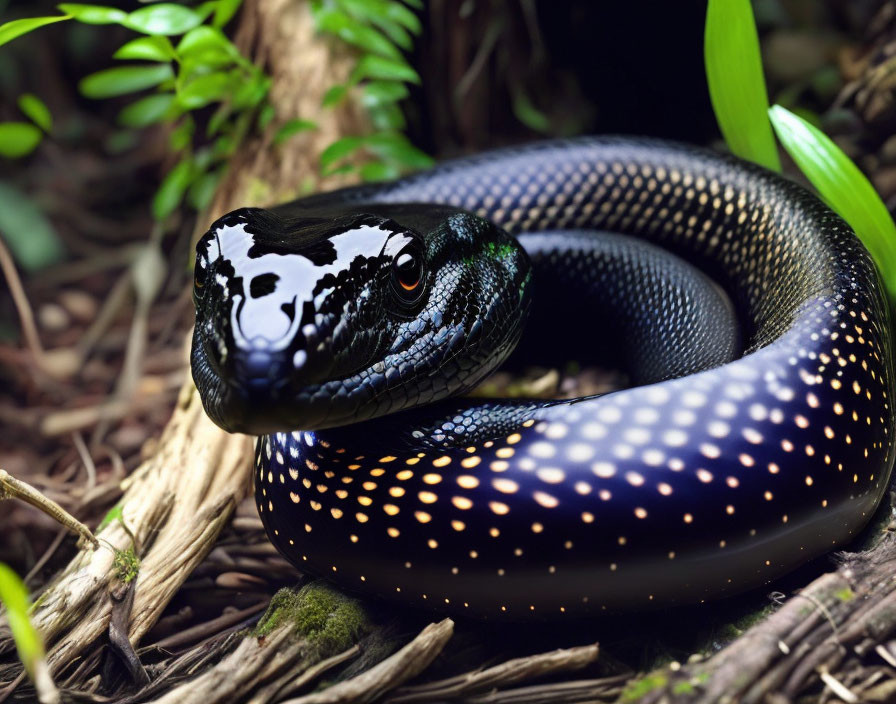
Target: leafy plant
x=840, y=182
x=18, y=139
x=14, y=596
x=737, y=88
x=183, y=62
x=736, y=83
x=201, y=67
x=381, y=29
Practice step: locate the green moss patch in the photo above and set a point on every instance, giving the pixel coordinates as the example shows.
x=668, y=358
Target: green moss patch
x=328, y=619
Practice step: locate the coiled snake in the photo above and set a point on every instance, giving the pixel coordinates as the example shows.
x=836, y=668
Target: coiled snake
x=758, y=432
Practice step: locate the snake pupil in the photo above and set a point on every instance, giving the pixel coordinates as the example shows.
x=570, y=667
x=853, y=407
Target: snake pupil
x=408, y=270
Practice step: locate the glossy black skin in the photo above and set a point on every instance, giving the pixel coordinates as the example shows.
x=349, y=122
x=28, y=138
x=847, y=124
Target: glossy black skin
x=761, y=440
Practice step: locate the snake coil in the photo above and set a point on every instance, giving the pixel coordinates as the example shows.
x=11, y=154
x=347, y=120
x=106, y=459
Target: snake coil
x=759, y=432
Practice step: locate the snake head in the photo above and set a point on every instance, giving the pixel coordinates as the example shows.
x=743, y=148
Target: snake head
x=330, y=318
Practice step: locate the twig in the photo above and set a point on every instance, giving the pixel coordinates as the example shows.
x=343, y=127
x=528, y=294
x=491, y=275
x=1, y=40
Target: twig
x=23, y=307
x=509, y=672
x=408, y=662
x=10, y=487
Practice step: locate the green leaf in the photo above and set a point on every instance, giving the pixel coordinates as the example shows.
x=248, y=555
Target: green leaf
x=163, y=18
x=14, y=596
x=397, y=148
x=334, y=95
x=353, y=32
x=224, y=11
x=204, y=90
x=36, y=109
x=18, y=139
x=16, y=28
x=31, y=238
x=94, y=14
x=387, y=117
x=379, y=67
x=843, y=186
x=203, y=189
x=379, y=171
x=124, y=79
x=146, y=111
x=265, y=115
x=182, y=136
x=204, y=38
x=218, y=120
x=114, y=514
x=205, y=9
x=529, y=115
x=293, y=127
x=416, y=4
x=736, y=84
x=251, y=92
x=377, y=93
x=148, y=48
x=171, y=192
x=339, y=150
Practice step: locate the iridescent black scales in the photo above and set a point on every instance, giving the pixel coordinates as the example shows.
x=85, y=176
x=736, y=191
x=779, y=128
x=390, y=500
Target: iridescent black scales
x=678, y=491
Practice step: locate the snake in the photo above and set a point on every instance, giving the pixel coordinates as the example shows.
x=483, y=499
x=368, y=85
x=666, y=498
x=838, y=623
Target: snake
x=755, y=433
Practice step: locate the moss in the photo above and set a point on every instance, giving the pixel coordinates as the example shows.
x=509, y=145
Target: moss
x=845, y=594
x=637, y=689
x=126, y=565
x=326, y=618
x=683, y=687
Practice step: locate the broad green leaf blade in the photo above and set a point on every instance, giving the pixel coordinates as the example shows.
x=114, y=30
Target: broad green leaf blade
x=172, y=190
x=204, y=39
x=379, y=171
x=377, y=93
x=146, y=111
x=163, y=18
x=352, y=31
x=94, y=14
x=843, y=186
x=396, y=148
x=16, y=28
x=203, y=189
x=379, y=67
x=18, y=139
x=736, y=84
x=124, y=79
x=148, y=48
x=387, y=116
x=339, y=150
x=205, y=89
x=293, y=127
x=224, y=11
x=14, y=596
x=31, y=238
x=334, y=95
x=37, y=111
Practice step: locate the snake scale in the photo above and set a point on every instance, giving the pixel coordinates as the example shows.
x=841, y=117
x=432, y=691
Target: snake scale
x=343, y=328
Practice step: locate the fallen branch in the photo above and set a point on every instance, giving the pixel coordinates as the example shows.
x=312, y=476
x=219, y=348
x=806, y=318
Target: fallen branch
x=392, y=672
x=826, y=640
x=506, y=673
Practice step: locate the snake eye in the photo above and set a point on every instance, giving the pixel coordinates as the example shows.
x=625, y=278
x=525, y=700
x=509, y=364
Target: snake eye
x=407, y=273
x=200, y=275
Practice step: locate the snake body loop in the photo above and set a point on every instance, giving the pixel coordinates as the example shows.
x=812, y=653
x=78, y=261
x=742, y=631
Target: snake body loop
x=758, y=433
